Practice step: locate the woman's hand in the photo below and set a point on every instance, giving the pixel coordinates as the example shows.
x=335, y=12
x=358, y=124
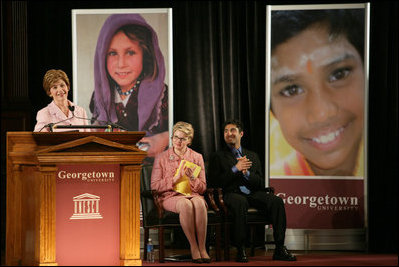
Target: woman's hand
x=185, y=171
x=178, y=176
x=189, y=172
x=156, y=143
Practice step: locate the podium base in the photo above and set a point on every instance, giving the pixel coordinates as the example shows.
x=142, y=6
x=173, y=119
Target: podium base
x=48, y=264
x=131, y=262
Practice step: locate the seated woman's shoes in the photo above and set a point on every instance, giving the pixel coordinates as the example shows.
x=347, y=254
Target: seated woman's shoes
x=206, y=260
x=282, y=254
x=199, y=260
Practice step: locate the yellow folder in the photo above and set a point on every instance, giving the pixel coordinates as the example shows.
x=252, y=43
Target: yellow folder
x=183, y=184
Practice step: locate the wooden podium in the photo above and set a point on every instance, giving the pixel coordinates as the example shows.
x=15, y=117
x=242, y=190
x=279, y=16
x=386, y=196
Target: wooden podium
x=32, y=159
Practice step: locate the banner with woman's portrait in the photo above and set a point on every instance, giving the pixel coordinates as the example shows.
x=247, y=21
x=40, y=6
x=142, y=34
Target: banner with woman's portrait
x=316, y=115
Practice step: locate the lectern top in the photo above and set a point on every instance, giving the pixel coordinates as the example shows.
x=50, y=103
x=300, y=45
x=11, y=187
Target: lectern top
x=54, y=138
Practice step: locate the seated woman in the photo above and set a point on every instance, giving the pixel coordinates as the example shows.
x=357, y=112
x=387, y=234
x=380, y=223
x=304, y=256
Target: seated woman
x=60, y=111
x=168, y=178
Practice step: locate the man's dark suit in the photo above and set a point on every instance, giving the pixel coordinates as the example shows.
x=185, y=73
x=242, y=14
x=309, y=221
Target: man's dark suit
x=220, y=175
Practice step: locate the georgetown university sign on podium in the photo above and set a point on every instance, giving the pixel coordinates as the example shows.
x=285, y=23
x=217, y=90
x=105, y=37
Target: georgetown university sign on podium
x=73, y=198
x=87, y=214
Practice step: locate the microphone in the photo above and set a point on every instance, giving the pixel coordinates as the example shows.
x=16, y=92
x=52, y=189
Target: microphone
x=113, y=125
x=51, y=125
x=72, y=109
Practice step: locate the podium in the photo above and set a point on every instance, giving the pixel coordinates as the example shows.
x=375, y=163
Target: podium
x=32, y=164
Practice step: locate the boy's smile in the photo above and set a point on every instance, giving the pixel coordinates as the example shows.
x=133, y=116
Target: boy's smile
x=318, y=97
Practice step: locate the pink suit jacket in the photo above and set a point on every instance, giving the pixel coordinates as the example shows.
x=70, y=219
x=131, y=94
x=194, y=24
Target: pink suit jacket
x=164, y=169
x=53, y=114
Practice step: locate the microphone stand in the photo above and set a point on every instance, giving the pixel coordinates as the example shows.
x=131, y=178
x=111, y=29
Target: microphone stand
x=109, y=125
x=53, y=125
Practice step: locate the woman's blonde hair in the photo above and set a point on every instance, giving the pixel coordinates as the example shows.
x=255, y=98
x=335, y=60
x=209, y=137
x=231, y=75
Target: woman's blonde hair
x=186, y=128
x=53, y=76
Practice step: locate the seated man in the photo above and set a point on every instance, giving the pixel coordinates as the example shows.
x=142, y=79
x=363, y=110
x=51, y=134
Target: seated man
x=238, y=172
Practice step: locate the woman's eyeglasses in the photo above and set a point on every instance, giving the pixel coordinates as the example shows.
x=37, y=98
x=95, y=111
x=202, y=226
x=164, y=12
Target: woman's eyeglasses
x=176, y=138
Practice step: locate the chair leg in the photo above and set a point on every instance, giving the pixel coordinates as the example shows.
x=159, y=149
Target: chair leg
x=266, y=240
x=209, y=237
x=226, y=242
x=161, y=245
x=252, y=229
x=218, y=242
x=146, y=236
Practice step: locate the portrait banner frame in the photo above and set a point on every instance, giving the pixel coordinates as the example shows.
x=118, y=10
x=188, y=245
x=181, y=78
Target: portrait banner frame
x=86, y=25
x=323, y=200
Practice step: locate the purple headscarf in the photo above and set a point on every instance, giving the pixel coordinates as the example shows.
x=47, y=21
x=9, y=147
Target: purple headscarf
x=150, y=91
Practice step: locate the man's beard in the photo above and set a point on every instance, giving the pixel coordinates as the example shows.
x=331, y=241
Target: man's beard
x=231, y=142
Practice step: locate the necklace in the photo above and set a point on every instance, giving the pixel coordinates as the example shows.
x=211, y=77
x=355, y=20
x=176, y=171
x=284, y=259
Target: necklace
x=130, y=91
x=179, y=153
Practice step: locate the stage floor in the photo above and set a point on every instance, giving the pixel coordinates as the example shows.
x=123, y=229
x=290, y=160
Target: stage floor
x=304, y=258
x=264, y=258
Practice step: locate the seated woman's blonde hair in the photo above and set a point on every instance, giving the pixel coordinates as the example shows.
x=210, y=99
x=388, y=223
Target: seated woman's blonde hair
x=186, y=128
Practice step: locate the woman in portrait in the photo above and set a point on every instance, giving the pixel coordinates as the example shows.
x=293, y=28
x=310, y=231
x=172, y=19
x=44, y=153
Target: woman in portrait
x=129, y=73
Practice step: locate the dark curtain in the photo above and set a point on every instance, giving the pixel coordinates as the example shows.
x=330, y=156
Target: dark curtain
x=383, y=127
x=219, y=70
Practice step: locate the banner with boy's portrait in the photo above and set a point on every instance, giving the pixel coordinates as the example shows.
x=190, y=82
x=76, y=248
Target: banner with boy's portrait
x=316, y=114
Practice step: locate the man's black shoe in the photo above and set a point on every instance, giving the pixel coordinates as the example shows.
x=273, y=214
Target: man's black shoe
x=241, y=255
x=282, y=254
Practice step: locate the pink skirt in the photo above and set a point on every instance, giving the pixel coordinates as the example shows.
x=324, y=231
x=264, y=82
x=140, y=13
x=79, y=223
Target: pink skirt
x=169, y=204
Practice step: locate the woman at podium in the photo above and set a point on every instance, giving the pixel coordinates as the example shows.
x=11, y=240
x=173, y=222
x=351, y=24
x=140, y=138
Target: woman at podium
x=60, y=111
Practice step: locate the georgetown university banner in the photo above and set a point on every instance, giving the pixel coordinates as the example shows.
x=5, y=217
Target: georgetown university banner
x=316, y=115
x=322, y=203
x=87, y=214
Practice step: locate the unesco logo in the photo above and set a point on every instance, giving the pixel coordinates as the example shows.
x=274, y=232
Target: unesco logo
x=86, y=206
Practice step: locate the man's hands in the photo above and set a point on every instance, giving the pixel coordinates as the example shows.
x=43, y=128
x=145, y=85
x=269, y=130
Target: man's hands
x=243, y=164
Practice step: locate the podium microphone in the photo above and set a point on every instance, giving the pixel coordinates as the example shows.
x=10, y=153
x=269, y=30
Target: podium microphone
x=72, y=109
x=114, y=125
x=51, y=125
